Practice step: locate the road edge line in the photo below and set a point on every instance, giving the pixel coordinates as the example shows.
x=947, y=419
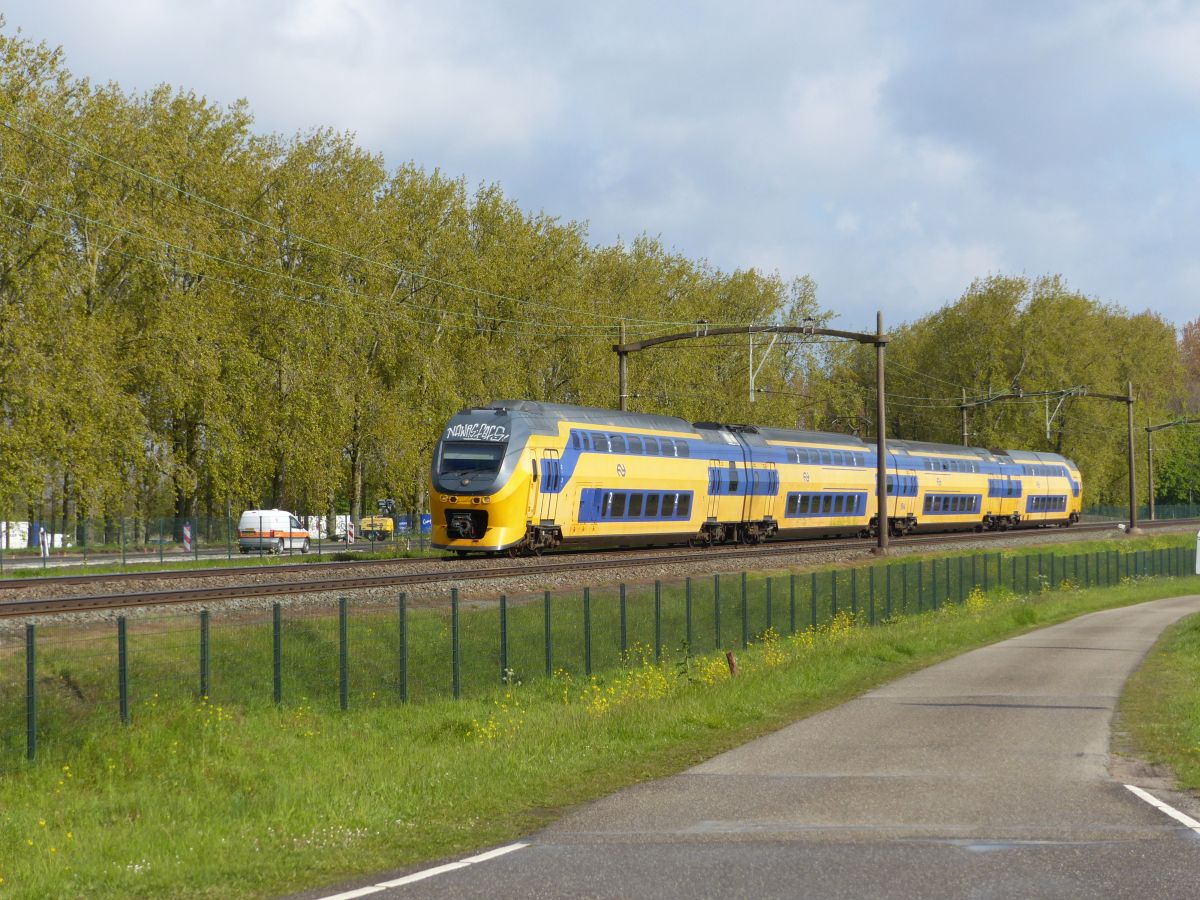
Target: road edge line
x=1163, y=807
x=425, y=873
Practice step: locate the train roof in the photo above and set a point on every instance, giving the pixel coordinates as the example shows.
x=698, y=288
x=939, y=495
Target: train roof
x=592, y=415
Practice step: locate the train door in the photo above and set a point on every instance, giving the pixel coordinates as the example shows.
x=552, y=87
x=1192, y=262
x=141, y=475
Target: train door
x=549, y=485
x=714, y=488
x=769, y=485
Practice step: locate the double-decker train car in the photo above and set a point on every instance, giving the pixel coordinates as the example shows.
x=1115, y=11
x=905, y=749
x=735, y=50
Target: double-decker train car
x=524, y=476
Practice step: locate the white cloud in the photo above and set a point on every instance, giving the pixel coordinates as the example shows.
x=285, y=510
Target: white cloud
x=895, y=152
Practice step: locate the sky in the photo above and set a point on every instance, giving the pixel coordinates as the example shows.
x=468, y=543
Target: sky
x=893, y=151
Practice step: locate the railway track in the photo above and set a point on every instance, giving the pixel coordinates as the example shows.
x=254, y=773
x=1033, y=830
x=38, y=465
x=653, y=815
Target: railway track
x=553, y=564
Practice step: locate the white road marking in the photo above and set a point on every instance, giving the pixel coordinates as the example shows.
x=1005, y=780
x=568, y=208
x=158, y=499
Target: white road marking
x=426, y=873
x=1169, y=810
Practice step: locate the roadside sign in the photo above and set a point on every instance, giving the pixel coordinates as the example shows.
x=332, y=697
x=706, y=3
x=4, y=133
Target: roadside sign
x=187, y=537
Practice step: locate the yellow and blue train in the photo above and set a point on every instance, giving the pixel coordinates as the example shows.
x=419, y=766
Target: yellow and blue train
x=522, y=476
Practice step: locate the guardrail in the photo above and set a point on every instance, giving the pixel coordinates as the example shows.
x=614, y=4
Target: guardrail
x=57, y=677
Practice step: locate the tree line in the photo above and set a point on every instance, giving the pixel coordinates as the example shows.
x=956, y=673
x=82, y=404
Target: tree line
x=197, y=317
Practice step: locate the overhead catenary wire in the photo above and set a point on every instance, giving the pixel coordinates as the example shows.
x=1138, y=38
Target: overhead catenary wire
x=614, y=318
x=245, y=288
x=527, y=326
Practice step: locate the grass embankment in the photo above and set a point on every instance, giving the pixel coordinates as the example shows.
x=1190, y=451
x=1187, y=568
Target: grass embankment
x=1160, y=707
x=200, y=799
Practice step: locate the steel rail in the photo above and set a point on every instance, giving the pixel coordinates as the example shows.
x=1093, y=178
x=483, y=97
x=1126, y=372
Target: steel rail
x=542, y=567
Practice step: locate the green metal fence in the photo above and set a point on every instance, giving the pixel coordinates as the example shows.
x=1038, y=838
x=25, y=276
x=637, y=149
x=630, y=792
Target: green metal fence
x=1162, y=511
x=130, y=541
x=58, y=677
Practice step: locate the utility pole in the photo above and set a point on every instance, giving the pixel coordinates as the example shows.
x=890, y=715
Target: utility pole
x=881, y=437
x=1150, y=468
x=1150, y=429
x=963, y=408
x=1132, y=472
x=622, y=371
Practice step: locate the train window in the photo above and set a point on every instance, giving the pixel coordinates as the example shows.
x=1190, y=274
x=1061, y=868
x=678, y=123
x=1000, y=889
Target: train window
x=469, y=457
x=791, y=506
x=618, y=505
x=575, y=439
x=668, y=506
x=617, y=443
x=606, y=505
x=635, y=444
x=839, y=501
x=733, y=478
x=651, y=446
x=684, y=508
x=635, y=506
x=652, y=506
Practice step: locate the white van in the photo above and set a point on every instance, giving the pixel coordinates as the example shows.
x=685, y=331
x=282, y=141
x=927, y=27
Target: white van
x=271, y=531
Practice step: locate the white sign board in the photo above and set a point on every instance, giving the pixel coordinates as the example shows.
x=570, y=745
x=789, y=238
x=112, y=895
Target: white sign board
x=14, y=535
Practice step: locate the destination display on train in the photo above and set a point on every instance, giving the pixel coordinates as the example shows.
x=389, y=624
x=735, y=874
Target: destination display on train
x=477, y=431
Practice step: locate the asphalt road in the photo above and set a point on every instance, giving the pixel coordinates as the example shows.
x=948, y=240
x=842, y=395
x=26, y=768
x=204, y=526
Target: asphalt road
x=984, y=776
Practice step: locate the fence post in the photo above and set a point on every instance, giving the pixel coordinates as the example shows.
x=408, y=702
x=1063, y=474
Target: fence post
x=204, y=657
x=123, y=669
x=871, y=596
x=624, y=622
x=887, y=587
x=687, y=612
x=503, y=638
x=770, y=604
x=812, y=603
x=833, y=609
x=122, y=541
x=549, y=646
x=745, y=615
x=30, y=690
x=587, y=631
x=854, y=592
x=904, y=590
x=277, y=652
x=933, y=580
x=717, y=611
x=160, y=540
x=792, y=602
x=455, y=647
x=920, y=585
x=343, y=655
x=658, y=621
x=403, y=660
